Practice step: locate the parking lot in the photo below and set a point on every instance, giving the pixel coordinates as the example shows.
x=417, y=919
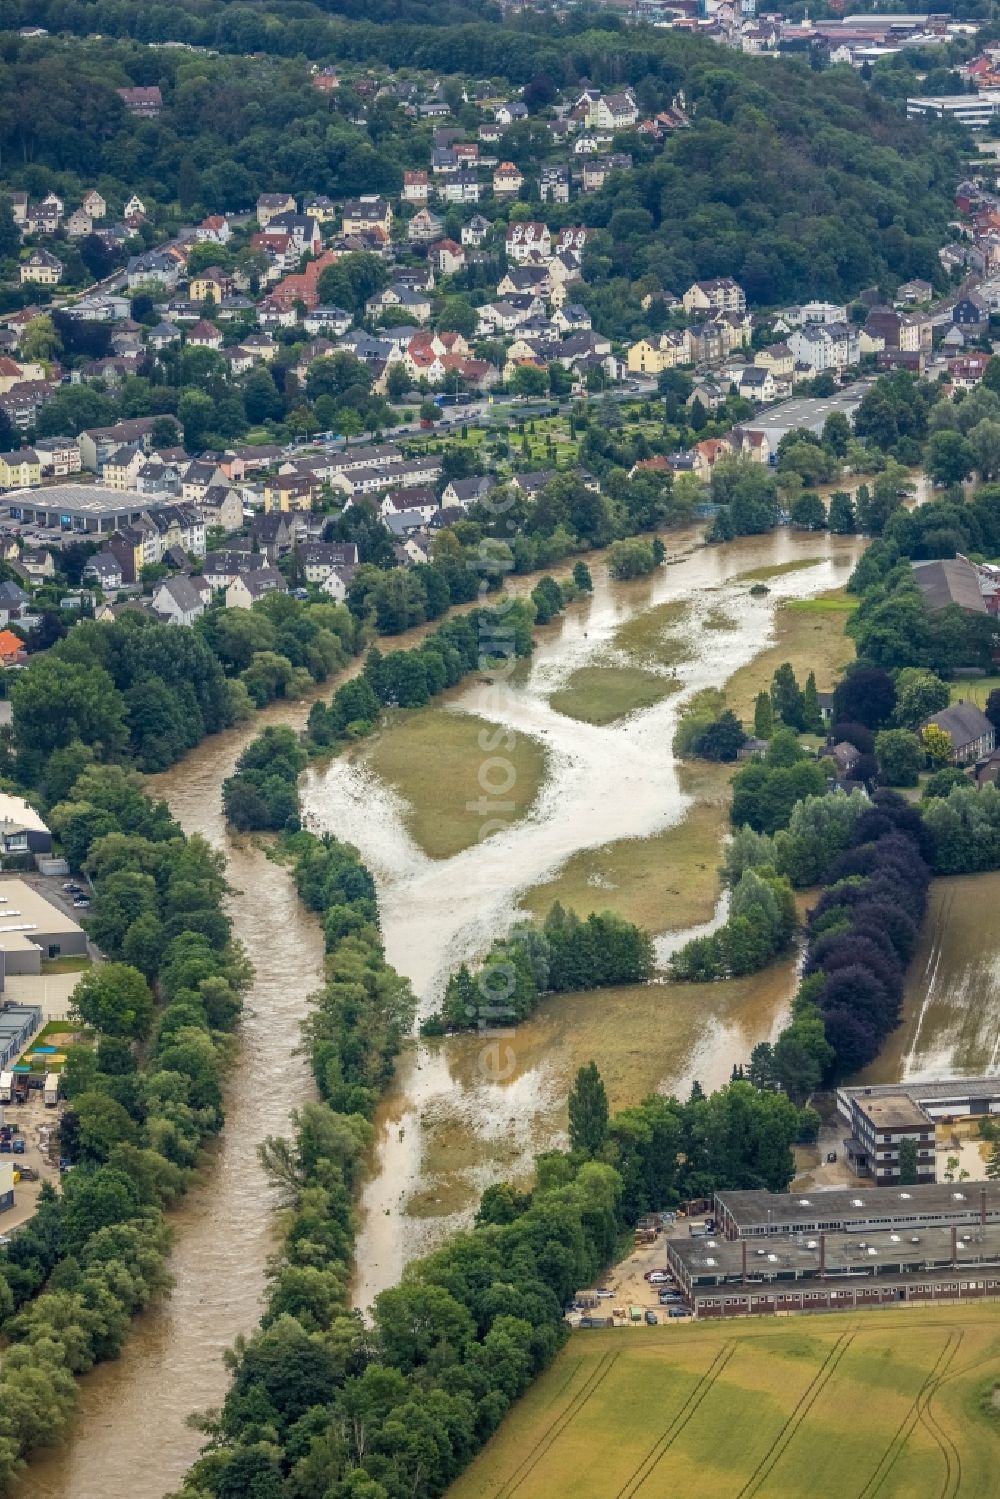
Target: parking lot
x=629, y=1287
x=38, y=1126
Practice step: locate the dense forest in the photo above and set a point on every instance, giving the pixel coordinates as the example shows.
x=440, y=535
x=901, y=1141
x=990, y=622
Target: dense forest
x=795, y=182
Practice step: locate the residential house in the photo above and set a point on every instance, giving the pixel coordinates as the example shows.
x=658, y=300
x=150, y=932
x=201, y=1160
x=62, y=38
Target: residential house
x=476, y=231
x=146, y=102
x=269, y=205
x=104, y=569
x=756, y=384
x=128, y=546
x=244, y=591
x=134, y=210
x=42, y=269
x=909, y=333
x=222, y=507
x=20, y=469
x=971, y=311
x=508, y=114
x=12, y=651
x=93, y=204
x=212, y=282
x=971, y=733
x=214, y=230
x=553, y=185
x=416, y=187
x=120, y=469
x=333, y=320
x=303, y=231
x=320, y=208
x=38, y=564
x=58, y=456
x=154, y=268
x=721, y=294
x=507, y=180
x=825, y=346
x=778, y=358
x=526, y=240
x=271, y=535
x=612, y=112
x=179, y=600
x=368, y=212
x=447, y=257
x=424, y=227
x=415, y=304
x=597, y=169
x=462, y=187
x=205, y=335
x=318, y=559
x=659, y=352
x=461, y=493
x=300, y=287
x=79, y=224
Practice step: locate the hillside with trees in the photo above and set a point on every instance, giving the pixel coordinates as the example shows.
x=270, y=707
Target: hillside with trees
x=794, y=182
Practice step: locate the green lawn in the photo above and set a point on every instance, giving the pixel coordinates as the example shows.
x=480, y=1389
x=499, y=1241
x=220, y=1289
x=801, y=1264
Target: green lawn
x=976, y=690
x=74, y=964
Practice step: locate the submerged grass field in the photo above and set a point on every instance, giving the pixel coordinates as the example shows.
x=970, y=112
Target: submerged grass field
x=666, y=882
x=812, y=639
x=889, y=1404
x=603, y=694
x=432, y=759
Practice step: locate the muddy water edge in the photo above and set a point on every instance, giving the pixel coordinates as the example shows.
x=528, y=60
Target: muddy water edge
x=130, y=1440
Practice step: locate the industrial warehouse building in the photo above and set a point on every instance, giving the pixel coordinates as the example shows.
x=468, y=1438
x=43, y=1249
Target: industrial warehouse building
x=882, y=1115
x=841, y=1250
x=31, y=928
x=18, y=1023
x=90, y=508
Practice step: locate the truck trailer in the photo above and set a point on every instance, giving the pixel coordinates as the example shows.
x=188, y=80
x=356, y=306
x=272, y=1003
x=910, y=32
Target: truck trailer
x=50, y=1092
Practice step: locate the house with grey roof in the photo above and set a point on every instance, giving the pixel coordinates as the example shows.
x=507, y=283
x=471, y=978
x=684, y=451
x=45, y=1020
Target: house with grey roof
x=178, y=600
x=972, y=735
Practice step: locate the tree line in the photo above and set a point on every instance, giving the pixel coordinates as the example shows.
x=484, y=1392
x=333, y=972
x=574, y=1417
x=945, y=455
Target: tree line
x=565, y=954
x=319, y=1401
x=144, y=1095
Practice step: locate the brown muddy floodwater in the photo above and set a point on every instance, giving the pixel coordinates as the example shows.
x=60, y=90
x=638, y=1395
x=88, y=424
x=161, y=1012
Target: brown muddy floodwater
x=447, y=1126
x=951, y=1003
x=451, y=1124
x=130, y=1439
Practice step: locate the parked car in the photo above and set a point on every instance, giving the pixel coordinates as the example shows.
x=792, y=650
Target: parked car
x=81, y=900
x=606, y=1295
x=658, y=1277
x=650, y=1319
x=19, y=1145
x=677, y=1311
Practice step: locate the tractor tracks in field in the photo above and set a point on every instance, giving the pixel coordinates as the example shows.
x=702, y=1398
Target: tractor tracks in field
x=914, y=1416
x=661, y=1446
x=801, y=1409
x=554, y=1431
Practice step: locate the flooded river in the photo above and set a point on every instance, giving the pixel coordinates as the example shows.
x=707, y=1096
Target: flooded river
x=447, y=1126
x=451, y=1123
x=131, y=1440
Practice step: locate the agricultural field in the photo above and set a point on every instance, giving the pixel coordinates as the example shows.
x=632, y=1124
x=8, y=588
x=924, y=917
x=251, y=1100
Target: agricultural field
x=898, y=1405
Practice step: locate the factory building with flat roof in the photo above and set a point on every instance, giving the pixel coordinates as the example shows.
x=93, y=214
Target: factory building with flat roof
x=93, y=509
x=31, y=928
x=881, y=1116
x=841, y=1250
